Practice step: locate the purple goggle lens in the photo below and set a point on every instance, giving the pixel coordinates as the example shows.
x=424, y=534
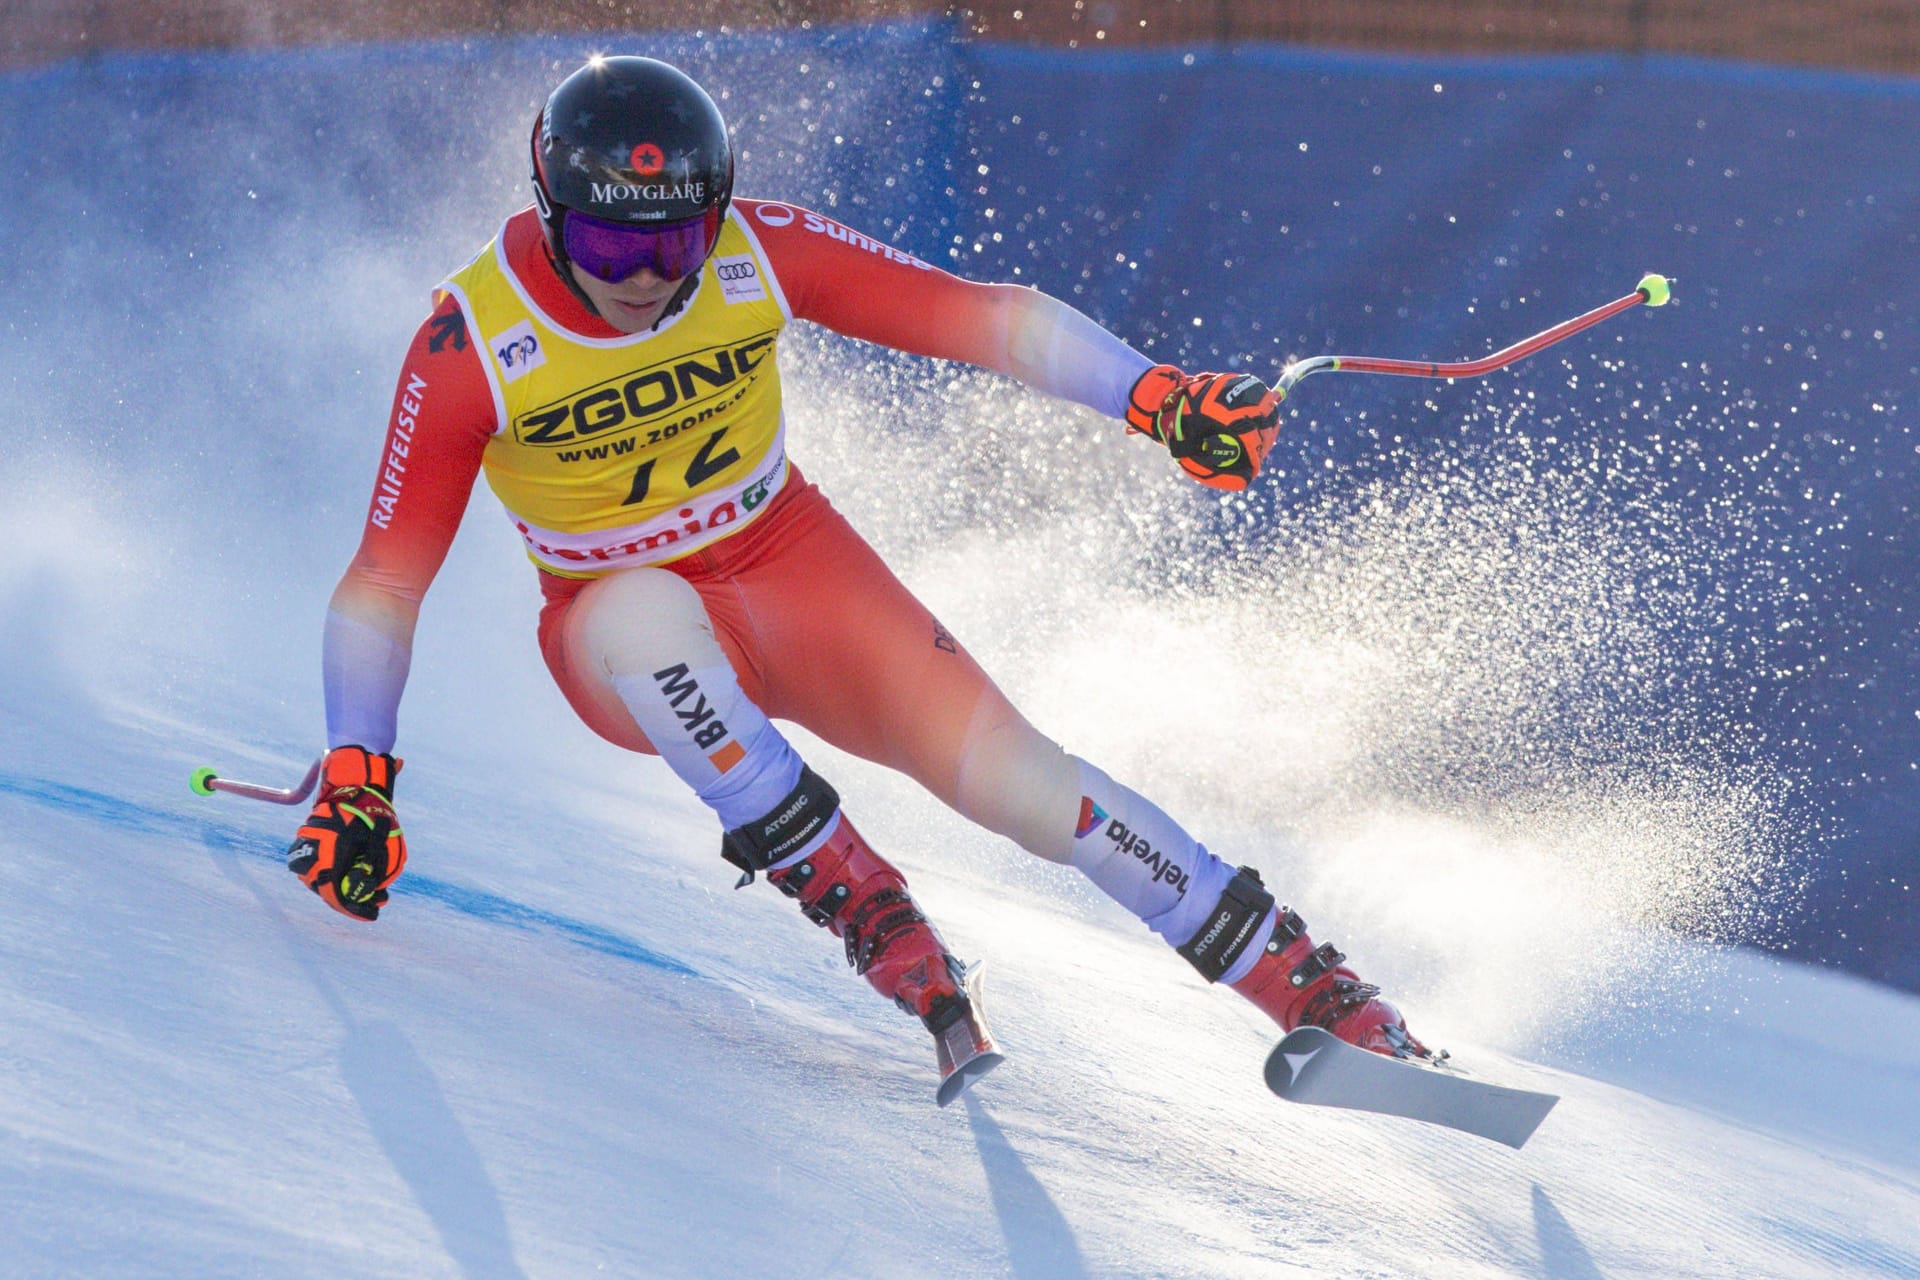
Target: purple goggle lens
x=612, y=251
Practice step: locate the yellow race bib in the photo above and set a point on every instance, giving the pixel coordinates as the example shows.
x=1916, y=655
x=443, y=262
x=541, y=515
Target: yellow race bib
x=637, y=449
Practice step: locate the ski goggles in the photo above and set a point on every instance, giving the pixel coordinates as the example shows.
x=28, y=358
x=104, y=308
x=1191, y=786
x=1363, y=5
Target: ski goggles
x=613, y=251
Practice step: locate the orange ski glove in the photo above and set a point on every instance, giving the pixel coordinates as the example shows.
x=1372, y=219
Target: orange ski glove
x=351, y=847
x=1217, y=426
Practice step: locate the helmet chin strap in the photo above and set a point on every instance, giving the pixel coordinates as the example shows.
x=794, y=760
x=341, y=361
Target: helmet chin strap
x=680, y=296
x=563, y=268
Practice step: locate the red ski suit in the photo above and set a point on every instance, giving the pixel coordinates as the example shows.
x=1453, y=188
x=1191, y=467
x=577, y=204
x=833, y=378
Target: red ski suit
x=816, y=627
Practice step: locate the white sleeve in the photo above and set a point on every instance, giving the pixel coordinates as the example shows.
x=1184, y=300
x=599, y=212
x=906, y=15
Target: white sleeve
x=365, y=670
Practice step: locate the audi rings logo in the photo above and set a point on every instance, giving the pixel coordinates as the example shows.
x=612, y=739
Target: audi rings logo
x=735, y=269
x=774, y=215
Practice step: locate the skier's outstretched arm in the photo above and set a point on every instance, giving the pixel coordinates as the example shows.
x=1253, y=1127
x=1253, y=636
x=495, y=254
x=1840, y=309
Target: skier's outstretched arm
x=351, y=846
x=1218, y=427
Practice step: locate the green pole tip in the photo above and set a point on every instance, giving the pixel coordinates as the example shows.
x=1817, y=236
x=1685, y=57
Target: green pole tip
x=1656, y=289
x=201, y=777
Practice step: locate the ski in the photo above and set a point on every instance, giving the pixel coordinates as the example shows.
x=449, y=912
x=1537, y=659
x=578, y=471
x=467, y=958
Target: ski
x=964, y=1046
x=1317, y=1067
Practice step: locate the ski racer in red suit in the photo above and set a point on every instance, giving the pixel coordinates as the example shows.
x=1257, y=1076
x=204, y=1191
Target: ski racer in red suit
x=609, y=362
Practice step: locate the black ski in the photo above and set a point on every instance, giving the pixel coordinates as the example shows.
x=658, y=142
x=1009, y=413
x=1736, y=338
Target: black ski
x=1317, y=1067
x=964, y=1046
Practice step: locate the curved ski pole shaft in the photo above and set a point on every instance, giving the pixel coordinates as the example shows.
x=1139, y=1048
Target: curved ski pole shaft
x=1653, y=290
x=205, y=782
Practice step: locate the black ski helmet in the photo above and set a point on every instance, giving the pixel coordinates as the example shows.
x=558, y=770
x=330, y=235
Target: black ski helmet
x=630, y=140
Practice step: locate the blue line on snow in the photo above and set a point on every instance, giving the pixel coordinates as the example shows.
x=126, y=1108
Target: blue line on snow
x=477, y=903
x=497, y=910
x=90, y=804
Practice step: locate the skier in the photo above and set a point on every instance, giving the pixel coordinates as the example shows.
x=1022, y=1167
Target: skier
x=609, y=362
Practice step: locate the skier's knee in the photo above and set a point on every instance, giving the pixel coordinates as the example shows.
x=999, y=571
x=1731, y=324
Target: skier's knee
x=1016, y=782
x=638, y=619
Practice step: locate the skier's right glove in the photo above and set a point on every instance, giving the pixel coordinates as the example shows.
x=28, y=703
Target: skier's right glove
x=351, y=847
x=1217, y=426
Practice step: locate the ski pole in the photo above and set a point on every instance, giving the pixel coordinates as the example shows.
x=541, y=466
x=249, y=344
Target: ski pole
x=1654, y=290
x=205, y=782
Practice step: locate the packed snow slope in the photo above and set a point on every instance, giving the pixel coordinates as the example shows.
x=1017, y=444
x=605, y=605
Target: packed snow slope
x=570, y=1048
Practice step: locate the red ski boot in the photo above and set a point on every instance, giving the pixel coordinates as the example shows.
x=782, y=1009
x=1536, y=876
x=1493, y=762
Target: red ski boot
x=1295, y=982
x=851, y=890
x=1298, y=984
x=855, y=894
x=858, y=896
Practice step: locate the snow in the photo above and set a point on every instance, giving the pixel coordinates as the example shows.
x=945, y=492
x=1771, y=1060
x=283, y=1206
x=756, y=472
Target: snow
x=569, y=1049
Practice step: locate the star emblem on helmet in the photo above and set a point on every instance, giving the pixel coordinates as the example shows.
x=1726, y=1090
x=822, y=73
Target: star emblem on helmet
x=648, y=160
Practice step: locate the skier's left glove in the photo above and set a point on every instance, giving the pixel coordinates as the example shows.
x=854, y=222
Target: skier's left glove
x=1217, y=426
x=351, y=848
